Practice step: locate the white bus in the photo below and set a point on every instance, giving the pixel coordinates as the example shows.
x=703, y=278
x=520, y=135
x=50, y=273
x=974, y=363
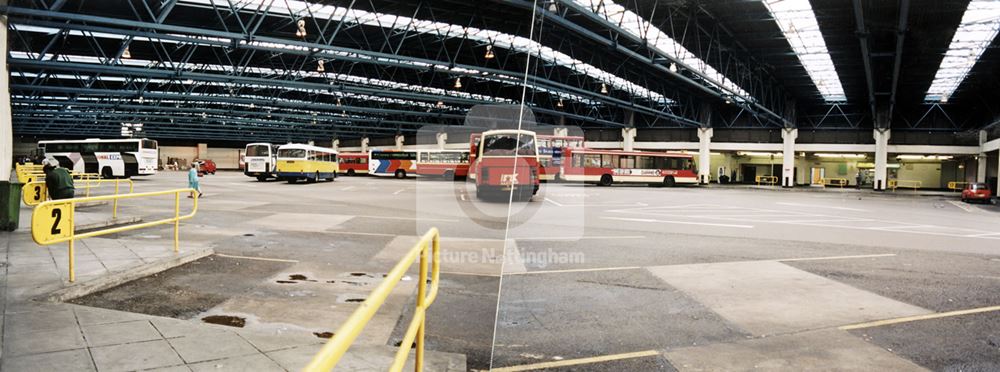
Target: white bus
x=261, y=161
x=396, y=163
x=108, y=157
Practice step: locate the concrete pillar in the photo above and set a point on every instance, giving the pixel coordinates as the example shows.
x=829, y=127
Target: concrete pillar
x=628, y=139
x=6, y=129
x=788, y=157
x=442, y=139
x=881, y=159
x=364, y=145
x=399, y=142
x=335, y=145
x=560, y=132
x=981, y=160
x=202, y=150
x=704, y=155
x=311, y=143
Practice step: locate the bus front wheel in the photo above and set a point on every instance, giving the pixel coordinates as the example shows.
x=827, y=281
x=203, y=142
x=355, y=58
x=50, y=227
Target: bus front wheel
x=350, y=172
x=106, y=173
x=669, y=181
x=400, y=174
x=606, y=180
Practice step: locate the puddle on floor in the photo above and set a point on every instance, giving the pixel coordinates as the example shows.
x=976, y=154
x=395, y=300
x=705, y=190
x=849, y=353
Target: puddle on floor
x=226, y=320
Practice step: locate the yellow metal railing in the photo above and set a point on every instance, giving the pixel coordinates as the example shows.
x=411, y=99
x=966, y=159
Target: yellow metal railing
x=894, y=184
x=957, y=185
x=334, y=349
x=841, y=182
x=767, y=180
x=34, y=193
x=33, y=175
x=53, y=221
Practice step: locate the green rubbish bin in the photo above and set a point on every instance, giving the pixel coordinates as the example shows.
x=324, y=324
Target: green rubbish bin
x=10, y=205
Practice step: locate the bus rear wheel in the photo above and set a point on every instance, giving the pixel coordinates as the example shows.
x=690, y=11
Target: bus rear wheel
x=106, y=173
x=314, y=179
x=449, y=175
x=606, y=180
x=261, y=178
x=669, y=181
x=350, y=172
x=400, y=173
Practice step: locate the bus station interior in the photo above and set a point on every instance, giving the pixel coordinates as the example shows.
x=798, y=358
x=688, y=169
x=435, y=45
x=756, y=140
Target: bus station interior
x=564, y=185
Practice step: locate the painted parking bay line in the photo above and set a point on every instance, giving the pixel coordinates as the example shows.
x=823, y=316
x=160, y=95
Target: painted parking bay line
x=963, y=206
x=650, y=220
x=920, y=317
x=574, y=362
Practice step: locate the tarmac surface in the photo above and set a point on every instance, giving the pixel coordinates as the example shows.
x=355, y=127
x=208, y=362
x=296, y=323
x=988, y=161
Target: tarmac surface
x=603, y=278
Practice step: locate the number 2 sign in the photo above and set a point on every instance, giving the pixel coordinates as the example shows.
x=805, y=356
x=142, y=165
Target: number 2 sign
x=52, y=222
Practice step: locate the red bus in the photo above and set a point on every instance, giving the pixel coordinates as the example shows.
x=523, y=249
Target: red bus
x=605, y=167
x=550, y=151
x=449, y=164
x=353, y=163
x=505, y=161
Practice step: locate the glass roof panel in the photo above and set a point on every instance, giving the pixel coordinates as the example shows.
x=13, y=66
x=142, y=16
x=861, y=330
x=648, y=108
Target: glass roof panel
x=798, y=23
x=975, y=33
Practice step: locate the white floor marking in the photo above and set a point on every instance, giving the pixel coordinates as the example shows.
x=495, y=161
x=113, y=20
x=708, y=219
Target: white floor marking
x=359, y=233
x=982, y=235
x=581, y=237
x=257, y=258
x=553, y=202
x=409, y=218
x=573, y=270
x=836, y=257
x=821, y=206
x=963, y=206
x=348, y=188
x=398, y=191
x=678, y=222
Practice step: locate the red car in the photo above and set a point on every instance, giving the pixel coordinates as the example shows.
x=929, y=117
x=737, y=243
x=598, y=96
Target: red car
x=205, y=166
x=976, y=191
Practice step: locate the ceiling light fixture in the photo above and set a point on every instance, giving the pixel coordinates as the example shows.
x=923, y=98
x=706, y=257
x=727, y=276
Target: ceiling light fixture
x=126, y=53
x=604, y=88
x=458, y=83
x=489, y=52
x=301, y=31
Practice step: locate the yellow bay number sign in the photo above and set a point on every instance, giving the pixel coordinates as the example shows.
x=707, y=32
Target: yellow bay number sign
x=34, y=193
x=52, y=222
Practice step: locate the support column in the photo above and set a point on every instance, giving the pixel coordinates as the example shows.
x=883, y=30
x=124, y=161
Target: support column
x=311, y=143
x=399, y=141
x=335, y=145
x=202, y=151
x=981, y=160
x=442, y=139
x=788, y=157
x=628, y=139
x=881, y=159
x=364, y=145
x=6, y=129
x=560, y=132
x=704, y=155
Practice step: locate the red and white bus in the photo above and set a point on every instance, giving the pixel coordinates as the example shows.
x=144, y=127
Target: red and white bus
x=353, y=163
x=449, y=164
x=550, y=151
x=505, y=162
x=605, y=167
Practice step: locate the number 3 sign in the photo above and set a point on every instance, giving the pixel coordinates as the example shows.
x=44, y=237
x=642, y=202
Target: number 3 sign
x=52, y=222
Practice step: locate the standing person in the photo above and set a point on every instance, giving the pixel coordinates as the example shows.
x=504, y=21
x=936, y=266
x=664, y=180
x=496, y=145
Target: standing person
x=193, y=180
x=859, y=178
x=58, y=182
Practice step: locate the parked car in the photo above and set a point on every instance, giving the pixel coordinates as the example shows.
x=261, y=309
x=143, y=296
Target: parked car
x=977, y=191
x=205, y=166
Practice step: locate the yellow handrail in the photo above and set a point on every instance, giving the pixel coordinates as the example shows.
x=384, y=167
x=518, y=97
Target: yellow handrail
x=957, y=185
x=913, y=184
x=334, y=349
x=53, y=221
x=835, y=182
x=40, y=191
x=770, y=180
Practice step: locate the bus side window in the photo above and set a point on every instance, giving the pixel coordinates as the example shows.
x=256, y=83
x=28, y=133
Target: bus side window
x=592, y=161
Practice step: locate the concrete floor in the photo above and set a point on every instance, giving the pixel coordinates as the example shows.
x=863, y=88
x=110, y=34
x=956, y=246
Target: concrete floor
x=623, y=278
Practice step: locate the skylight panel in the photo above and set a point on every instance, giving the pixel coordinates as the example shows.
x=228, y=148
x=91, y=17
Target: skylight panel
x=977, y=30
x=798, y=23
x=635, y=25
x=495, y=38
